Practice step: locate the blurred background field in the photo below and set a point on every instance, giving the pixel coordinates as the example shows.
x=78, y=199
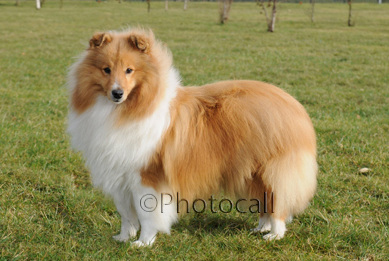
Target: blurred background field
x=48, y=208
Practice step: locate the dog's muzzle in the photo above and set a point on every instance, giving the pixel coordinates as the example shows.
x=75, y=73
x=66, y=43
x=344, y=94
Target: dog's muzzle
x=117, y=95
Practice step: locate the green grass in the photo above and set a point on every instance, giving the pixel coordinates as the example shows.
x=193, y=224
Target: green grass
x=48, y=208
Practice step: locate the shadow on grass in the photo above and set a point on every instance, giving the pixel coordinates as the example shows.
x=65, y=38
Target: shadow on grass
x=214, y=223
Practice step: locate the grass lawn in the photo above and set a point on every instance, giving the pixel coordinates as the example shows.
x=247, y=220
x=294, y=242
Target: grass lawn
x=48, y=208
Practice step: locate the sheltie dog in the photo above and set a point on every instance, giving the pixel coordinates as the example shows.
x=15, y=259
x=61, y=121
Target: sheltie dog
x=142, y=133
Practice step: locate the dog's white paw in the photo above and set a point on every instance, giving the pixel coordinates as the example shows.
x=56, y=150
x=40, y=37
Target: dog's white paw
x=271, y=237
x=121, y=238
x=125, y=236
x=264, y=228
x=138, y=244
x=143, y=243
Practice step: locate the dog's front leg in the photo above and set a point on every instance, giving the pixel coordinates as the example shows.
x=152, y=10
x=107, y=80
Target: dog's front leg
x=130, y=224
x=156, y=212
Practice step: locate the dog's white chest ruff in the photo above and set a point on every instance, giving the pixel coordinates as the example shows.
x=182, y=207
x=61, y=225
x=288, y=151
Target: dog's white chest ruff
x=115, y=155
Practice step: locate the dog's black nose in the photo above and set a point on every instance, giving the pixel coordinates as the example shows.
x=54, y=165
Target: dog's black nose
x=117, y=94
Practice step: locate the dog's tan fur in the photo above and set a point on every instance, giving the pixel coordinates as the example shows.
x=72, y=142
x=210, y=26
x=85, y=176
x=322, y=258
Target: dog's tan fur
x=240, y=137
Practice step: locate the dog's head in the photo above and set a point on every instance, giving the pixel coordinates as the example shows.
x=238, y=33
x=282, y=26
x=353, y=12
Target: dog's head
x=119, y=63
x=129, y=68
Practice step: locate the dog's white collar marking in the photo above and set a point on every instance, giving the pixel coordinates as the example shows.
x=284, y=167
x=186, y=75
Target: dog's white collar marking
x=115, y=155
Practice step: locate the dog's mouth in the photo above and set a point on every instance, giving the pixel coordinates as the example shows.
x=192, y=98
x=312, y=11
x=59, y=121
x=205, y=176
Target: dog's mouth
x=117, y=101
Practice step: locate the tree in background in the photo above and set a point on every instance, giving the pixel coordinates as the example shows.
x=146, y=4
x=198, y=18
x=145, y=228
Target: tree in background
x=350, y=22
x=224, y=10
x=261, y=4
x=166, y=5
x=185, y=4
x=148, y=5
x=271, y=22
x=313, y=11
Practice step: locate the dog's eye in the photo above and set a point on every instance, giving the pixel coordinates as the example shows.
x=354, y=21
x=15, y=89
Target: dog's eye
x=107, y=70
x=128, y=71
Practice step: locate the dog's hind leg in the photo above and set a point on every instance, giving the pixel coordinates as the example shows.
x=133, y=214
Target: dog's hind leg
x=272, y=223
x=264, y=224
x=292, y=180
x=277, y=230
x=130, y=224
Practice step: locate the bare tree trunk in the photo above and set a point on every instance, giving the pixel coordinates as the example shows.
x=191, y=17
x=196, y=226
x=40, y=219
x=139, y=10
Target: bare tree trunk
x=261, y=4
x=148, y=5
x=349, y=14
x=221, y=11
x=313, y=11
x=38, y=4
x=60, y=4
x=166, y=5
x=228, y=8
x=17, y=2
x=185, y=4
x=272, y=23
x=224, y=10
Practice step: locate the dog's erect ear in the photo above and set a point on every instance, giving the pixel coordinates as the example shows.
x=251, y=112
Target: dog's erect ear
x=99, y=39
x=140, y=42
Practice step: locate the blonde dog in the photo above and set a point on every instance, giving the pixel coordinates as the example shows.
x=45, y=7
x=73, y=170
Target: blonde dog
x=142, y=133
